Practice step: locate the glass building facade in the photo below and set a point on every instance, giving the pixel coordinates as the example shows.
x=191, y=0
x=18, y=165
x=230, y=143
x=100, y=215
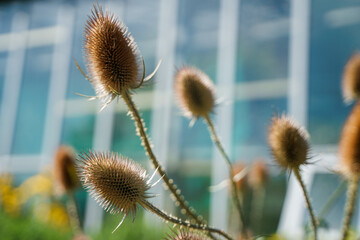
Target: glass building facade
x=246, y=47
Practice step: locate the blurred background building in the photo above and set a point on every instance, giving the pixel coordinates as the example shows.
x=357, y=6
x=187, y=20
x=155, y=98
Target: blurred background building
x=266, y=57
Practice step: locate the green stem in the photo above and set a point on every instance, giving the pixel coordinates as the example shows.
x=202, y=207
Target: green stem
x=141, y=131
x=350, y=205
x=257, y=207
x=307, y=199
x=335, y=196
x=235, y=194
x=73, y=213
x=180, y=222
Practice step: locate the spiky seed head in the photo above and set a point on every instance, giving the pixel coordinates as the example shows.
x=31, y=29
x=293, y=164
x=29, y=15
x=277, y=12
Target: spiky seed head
x=116, y=182
x=80, y=236
x=258, y=174
x=351, y=78
x=64, y=169
x=111, y=55
x=186, y=234
x=288, y=142
x=349, y=146
x=237, y=168
x=195, y=92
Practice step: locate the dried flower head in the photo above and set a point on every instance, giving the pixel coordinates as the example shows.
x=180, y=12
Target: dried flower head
x=186, y=234
x=351, y=78
x=111, y=54
x=195, y=92
x=288, y=142
x=349, y=146
x=64, y=169
x=240, y=181
x=258, y=174
x=116, y=182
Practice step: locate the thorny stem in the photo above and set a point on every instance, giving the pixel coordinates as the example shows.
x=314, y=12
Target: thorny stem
x=235, y=194
x=335, y=196
x=307, y=199
x=73, y=213
x=350, y=205
x=180, y=222
x=141, y=131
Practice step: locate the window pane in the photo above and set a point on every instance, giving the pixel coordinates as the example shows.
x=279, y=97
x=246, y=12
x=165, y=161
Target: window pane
x=77, y=82
x=125, y=141
x=251, y=122
x=78, y=132
x=32, y=101
x=263, y=40
x=197, y=36
x=334, y=38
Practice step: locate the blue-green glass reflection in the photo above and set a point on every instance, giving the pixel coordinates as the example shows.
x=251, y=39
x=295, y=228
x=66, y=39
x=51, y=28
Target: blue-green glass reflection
x=334, y=38
x=78, y=132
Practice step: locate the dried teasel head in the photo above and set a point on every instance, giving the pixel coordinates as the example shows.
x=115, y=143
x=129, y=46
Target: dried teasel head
x=64, y=169
x=258, y=174
x=239, y=178
x=111, y=55
x=116, y=182
x=186, y=234
x=288, y=142
x=195, y=92
x=349, y=146
x=351, y=78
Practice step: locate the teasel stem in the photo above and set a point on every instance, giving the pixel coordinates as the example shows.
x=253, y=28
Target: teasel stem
x=335, y=196
x=257, y=207
x=141, y=131
x=307, y=200
x=73, y=213
x=234, y=190
x=180, y=222
x=353, y=184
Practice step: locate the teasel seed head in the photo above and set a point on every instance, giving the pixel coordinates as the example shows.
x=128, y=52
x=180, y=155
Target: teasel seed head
x=351, y=78
x=288, y=142
x=111, y=55
x=64, y=169
x=116, y=182
x=349, y=145
x=195, y=92
x=186, y=234
x=258, y=174
x=240, y=183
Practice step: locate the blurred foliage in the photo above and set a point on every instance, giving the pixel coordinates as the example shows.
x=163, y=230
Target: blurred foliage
x=137, y=229
x=26, y=228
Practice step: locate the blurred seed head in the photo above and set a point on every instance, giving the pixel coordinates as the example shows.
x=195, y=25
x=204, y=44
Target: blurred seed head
x=111, y=55
x=351, y=78
x=81, y=236
x=186, y=234
x=194, y=91
x=288, y=142
x=258, y=174
x=241, y=183
x=64, y=169
x=349, y=146
x=116, y=182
